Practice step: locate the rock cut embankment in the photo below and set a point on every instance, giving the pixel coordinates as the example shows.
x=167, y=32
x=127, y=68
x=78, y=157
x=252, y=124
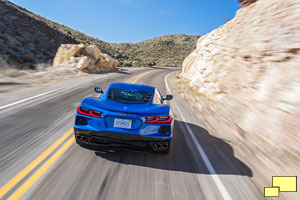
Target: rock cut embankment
x=247, y=77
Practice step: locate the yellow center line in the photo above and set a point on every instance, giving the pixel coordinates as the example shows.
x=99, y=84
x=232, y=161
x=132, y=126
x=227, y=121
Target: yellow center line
x=33, y=164
x=135, y=79
x=27, y=185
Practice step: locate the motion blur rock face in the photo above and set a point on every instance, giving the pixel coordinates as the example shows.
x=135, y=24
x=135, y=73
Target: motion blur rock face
x=249, y=69
x=88, y=58
x=27, y=39
x=66, y=52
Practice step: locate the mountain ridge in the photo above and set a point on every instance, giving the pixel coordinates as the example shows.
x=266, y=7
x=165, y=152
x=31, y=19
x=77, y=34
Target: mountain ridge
x=28, y=39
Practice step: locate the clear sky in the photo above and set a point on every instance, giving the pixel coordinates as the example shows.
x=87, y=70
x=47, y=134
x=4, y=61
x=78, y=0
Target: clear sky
x=135, y=20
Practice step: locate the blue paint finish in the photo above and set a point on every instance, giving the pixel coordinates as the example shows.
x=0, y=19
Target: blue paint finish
x=135, y=112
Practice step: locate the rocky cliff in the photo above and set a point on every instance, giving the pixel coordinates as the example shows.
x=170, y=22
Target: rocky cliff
x=246, y=75
x=27, y=39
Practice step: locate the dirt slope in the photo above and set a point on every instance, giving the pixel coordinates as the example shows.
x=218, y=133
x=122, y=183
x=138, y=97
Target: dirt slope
x=27, y=39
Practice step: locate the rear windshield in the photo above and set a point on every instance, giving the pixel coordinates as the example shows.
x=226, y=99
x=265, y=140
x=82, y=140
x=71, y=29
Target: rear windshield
x=128, y=97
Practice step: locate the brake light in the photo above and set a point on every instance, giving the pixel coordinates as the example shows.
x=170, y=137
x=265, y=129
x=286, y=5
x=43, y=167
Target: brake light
x=159, y=119
x=83, y=111
x=151, y=119
x=164, y=119
x=89, y=112
x=94, y=113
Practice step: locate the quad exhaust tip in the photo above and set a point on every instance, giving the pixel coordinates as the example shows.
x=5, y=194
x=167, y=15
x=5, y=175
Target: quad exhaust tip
x=160, y=146
x=157, y=146
x=85, y=139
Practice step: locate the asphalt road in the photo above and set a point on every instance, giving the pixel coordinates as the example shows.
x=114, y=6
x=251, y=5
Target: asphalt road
x=199, y=166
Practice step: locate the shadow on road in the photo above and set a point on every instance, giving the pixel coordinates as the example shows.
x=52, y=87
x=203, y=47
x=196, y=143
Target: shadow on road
x=184, y=155
x=122, y=71
x=11, y=83
x=118, y=70
x=163, y=68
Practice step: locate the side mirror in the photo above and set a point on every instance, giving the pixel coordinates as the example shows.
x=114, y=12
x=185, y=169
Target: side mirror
x=168, y=97
x=99, y=90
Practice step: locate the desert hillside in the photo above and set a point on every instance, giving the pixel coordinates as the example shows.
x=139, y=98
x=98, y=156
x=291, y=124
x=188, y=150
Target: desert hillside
x=168, y=50
x=27, y=39
x=246, y=74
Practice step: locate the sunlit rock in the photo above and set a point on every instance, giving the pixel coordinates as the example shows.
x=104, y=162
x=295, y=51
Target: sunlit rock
x=245, y=77
x=65, y=52
x=88, y=58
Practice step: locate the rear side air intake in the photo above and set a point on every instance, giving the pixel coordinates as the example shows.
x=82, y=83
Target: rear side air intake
x=147, y=98
x=110, y=94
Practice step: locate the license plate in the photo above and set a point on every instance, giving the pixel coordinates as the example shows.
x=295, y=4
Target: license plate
x=122, y=123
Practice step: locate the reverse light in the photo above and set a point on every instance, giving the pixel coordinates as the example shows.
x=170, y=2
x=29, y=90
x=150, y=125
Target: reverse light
x=159, y=119
x=88, y=112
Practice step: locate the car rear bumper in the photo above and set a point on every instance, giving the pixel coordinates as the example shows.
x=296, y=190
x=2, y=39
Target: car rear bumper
x=110, y=140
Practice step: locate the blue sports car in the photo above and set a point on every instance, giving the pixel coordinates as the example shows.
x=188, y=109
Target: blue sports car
x=125, y=116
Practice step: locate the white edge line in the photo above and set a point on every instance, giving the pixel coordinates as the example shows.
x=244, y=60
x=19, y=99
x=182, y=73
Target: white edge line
x=21, y=101
x=208, y=164
x=39, y=95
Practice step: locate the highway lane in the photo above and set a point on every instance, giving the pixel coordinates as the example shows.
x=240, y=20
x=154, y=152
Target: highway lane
x=28, y=128
x=84, y=174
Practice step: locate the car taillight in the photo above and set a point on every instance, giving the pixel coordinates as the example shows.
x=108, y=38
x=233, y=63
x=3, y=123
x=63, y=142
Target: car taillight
x=94, y=113
x=164, y=119
x=88, y=112
x=151, y=119
x=83, y=111
x=159, y=119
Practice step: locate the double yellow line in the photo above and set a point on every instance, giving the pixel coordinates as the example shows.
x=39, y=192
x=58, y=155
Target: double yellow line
x=31, y=166
x=35, y=177
x=135, y=79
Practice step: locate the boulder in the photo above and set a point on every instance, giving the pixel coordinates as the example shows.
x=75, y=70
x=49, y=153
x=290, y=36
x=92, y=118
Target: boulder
x=65, y=52
x=88, y=58
x=28, y=57
x=105, y=62
x=83, y=63
x=91, y=51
